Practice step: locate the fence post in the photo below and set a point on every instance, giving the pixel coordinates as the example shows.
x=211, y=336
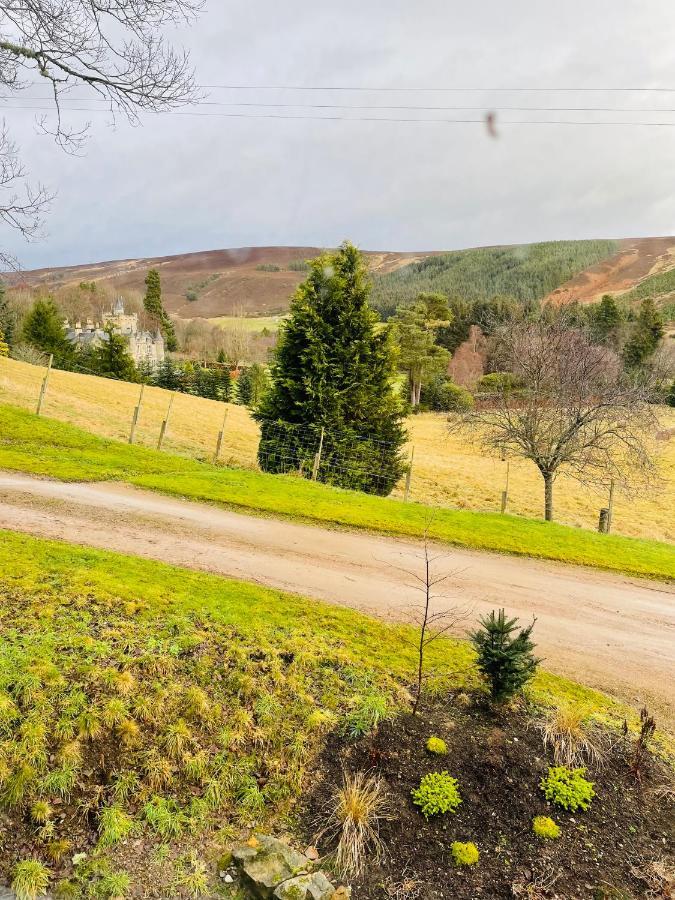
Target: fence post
x=408, y=477
x=165, y=423
x=505, y=492
x=603, y=522
x=137, y=412
x=610, y=506
x=317, y=457
x=219, y=442
x=43, y=387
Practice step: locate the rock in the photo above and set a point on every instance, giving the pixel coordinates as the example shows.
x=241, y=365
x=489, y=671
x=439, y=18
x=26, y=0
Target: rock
x=342, y=893
x=266, y=862
x=312, y=853
x=306, y=887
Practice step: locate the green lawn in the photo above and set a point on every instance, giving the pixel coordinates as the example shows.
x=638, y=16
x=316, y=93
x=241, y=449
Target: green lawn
x=47, y=447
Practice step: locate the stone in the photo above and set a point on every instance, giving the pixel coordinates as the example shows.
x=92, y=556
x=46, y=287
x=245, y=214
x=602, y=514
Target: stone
x=305, y=887
x=266, y=862
x=342, y=893
x=312, y=853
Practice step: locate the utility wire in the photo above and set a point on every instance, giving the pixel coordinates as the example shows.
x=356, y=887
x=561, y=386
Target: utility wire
x=456, y=90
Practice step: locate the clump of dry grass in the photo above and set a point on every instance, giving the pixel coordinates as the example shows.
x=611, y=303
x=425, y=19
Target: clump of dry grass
x=354, y=812
x=563, y=732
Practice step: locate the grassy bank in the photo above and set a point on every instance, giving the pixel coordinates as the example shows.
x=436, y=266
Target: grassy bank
x=449, y=470
x=148, y=714
x=44, y=447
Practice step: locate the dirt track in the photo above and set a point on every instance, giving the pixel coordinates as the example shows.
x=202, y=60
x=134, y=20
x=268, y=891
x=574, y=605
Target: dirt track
x=608, y=631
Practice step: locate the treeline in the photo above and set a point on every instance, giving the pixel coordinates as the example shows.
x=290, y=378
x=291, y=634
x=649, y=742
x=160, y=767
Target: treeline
x=527, y=273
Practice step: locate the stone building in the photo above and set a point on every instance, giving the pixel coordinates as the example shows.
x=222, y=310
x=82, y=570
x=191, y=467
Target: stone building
x=145, y=347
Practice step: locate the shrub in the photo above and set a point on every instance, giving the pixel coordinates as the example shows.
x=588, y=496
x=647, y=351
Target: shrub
x=268, y=267
x=437, y=745
x=355, y=812
x=464, y=854
x=546, y=828
x=567, y=788
x=505, y=660
x=443, y=395
x=564, y=734
x=30, y=879
x=114, y=825
x=437, y=794
x=499, y=382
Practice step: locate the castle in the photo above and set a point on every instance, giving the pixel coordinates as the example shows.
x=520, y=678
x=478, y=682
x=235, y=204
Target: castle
x=145, y=347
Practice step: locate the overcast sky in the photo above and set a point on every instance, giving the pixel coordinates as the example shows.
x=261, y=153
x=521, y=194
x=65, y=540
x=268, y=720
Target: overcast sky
x=182, y=182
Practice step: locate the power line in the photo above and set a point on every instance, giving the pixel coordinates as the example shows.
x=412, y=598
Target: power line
x=389, y=119
x=435, y=89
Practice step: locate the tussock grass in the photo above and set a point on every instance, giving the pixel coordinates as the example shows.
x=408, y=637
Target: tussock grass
x=564, y=733
x=46, y=447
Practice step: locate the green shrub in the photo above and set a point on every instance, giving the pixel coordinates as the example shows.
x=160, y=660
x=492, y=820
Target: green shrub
x=267, y=267
x=464, y=854
x=567, y=788
x=30, y=879
x=437, y=745
x=437, y=794
x=498, y=383
x=546, y=828
x=505, y=656
x=114, y=825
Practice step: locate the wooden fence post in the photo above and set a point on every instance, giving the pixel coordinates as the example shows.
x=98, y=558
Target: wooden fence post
x=165, y=423
x=137, y=412
x=505, y=492
x=408, y=477
x=603, y=521
x=317, y=457
x=219, y=442
x=43, y=387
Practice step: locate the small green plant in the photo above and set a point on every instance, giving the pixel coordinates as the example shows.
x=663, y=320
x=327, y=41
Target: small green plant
x=30, y=879
x=367, y=713
x=437, y=745
x=40, y=812
x=505, y=659
x=113, y=826
x=437, y=794
x=567, y=788
x=113, y=886
x=544, y=827
x=464, y=854
x=164, y=816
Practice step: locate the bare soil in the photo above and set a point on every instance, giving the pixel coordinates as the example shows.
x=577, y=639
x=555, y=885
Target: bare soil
x=607, y=631
x=499, y=760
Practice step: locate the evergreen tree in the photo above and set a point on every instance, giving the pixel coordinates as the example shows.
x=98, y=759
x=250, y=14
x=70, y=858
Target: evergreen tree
x=111, y=358
x=4, y=347
x=43, y=329
x=168, y=376
x=504, y=657
x=253, y=384
x=153, y=305
x=415, y=328
x=646, y=336
x=606, y=320
x=334, y=368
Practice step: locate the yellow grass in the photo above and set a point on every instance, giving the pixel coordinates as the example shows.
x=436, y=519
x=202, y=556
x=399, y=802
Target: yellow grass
x=249, y=323
x=447, y=470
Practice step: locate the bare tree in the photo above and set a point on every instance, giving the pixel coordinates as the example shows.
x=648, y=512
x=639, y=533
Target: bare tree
x=111, y=47
x=432, y=620
x=569, y=408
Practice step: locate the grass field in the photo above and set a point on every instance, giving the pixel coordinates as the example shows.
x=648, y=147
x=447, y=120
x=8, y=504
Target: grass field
x=448, y=471
x=249, y=323
x=138, y=700
x=47, y=447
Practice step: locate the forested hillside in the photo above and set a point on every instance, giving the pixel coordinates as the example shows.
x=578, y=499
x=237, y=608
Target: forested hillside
x=527, y=272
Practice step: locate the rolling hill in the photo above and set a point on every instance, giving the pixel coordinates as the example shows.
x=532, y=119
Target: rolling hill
x=258, y=281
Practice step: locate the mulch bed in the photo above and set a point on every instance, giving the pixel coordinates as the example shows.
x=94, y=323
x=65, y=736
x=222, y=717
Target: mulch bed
x=499, y=761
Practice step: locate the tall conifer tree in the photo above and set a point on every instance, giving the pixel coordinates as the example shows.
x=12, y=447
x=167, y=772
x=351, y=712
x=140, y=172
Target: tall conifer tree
x=334, y=369
x=153, y=305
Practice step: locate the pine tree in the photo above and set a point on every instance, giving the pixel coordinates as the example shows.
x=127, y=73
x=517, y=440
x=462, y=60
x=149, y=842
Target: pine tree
x=111, y=358
x=606, y=319
x=504, y=658
x=4, y=347
x=153, y=305
x=43, y=329
x=333, y=368
x=646, y=335
x=252, y=385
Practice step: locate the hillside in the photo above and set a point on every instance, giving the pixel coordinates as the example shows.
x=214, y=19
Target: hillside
x=246, y=280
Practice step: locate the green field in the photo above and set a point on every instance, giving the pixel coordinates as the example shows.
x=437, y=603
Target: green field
x=251, y=324
x=50, y=448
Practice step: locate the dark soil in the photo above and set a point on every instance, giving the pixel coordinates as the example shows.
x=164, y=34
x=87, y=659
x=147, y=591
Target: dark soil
x=499, y=762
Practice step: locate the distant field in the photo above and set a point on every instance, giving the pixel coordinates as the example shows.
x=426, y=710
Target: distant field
x=447, y=471
x=249, y=323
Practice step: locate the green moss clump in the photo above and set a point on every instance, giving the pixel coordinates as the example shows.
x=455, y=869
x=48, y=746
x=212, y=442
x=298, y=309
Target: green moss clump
x=465, y=854
x=30, y=880
x=545, y=828
x=437, y=794
x=567, y=788
x=437, y=745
